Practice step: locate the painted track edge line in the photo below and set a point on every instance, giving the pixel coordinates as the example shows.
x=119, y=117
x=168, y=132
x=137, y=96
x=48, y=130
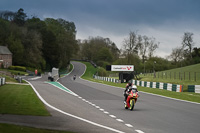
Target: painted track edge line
x=79, y=118
x=72, y=93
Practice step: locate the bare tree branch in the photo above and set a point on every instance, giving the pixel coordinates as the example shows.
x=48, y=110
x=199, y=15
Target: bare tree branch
x=188, y=42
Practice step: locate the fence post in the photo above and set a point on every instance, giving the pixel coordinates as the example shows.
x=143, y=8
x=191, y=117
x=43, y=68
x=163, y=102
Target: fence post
x=189, y=75
x=170, y=75
x=184, y=75
x=174, y=75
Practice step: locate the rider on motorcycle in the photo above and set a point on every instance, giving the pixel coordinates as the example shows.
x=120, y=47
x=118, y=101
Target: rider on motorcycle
x=128, y=88
x=74, y=77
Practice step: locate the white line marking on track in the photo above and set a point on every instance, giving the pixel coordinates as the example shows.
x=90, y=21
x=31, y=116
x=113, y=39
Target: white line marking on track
x=139, y=131
x=35, y=78
x=112, y=116
x=119, y=120
x=72, y=93
x=97, y=107
x=93, y=104
x=71, y=115
x=128, y=125
x=105, y=112
x=101, y=109
x=84, y=100
x=90, y=103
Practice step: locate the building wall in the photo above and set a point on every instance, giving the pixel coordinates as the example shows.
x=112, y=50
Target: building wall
x=7, y=60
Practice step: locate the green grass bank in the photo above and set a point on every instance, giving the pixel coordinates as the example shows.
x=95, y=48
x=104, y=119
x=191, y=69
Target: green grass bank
x=20, y=100
x=9, y=128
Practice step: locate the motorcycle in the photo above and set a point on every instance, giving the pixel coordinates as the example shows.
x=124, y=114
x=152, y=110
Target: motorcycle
x=74, y=77
x=131, y=99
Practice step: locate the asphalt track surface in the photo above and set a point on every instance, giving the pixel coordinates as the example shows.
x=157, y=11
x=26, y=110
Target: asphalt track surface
x=99, y=108
x=152, y=114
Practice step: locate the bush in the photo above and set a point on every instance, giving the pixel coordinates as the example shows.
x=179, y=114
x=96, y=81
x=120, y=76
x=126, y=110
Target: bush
x=18, y=68
x=102, y=72
x=102, y=63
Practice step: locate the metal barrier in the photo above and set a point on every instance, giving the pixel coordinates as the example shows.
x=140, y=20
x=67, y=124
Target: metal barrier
x=2, y=81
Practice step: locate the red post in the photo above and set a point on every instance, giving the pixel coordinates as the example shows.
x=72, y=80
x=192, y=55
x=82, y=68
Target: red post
x=36, y=72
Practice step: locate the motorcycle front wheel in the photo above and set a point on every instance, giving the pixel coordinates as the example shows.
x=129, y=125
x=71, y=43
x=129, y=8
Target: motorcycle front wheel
x=132, y=104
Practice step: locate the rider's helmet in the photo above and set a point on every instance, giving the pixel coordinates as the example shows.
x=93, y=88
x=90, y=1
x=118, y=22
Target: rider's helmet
x=134, y=87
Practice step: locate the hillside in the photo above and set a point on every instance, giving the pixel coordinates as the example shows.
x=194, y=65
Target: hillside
x=189, y=75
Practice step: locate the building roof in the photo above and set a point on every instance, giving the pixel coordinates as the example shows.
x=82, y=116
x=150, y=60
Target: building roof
x=4, y=50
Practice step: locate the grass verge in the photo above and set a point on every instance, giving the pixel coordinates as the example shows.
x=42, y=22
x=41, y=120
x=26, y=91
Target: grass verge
x=9, y=79
x=188, y=96
x=9, y=128
x=20, y=100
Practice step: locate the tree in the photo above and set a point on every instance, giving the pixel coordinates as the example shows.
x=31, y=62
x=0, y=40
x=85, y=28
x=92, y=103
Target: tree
x=32, y=42
x=143, y=46
x=104, y=54
x=64, y=32
x=153, y=45
x=16, y=47
x=130, y=44
x=177, y=54
x=50, y=49
x=188, y=43
x=97, y=48
x=4, y=31
x=7, y=15
x=115, y=51
x=20, y=17
x=196, y=55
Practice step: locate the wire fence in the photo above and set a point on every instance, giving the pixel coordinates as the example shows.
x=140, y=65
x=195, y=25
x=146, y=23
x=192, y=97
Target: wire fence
x=186, y=76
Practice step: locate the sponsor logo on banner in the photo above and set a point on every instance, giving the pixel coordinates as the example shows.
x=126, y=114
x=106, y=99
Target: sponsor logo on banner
x=122, y=68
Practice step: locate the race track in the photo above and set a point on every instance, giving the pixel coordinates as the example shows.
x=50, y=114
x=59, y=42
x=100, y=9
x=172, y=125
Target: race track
x=87, y=107
x=152, y=114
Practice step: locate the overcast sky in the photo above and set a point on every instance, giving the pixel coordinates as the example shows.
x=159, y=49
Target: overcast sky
x=165, y=20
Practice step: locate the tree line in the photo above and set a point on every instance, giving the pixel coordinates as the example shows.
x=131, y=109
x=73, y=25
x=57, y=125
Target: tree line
x=36, y=43
x=138, y=50
x=48, y=43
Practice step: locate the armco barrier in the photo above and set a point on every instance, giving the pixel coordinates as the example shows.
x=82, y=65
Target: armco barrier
x=197, y=88
x=194, y=88
x=165, y=86
x=2, y=81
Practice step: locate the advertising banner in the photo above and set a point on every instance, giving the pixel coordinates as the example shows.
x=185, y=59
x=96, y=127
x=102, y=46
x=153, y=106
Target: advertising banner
x=127, y=68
